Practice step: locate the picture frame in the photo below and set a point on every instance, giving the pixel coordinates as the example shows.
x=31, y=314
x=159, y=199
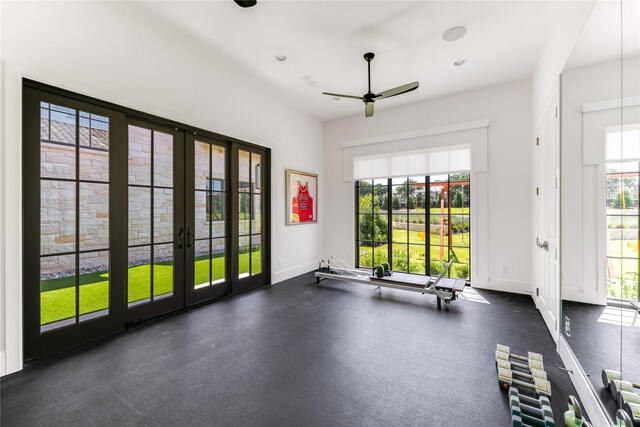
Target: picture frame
x=301, y=189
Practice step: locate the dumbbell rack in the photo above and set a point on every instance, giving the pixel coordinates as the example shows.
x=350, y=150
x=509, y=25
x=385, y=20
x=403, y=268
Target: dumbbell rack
x=528, y=411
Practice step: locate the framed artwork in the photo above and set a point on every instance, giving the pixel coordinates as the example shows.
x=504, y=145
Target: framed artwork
x=301, y=197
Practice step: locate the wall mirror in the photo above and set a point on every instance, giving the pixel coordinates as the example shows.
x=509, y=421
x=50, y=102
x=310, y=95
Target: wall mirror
x=600, y=186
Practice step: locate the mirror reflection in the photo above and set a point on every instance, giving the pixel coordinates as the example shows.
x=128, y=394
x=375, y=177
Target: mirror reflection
x=600, y=180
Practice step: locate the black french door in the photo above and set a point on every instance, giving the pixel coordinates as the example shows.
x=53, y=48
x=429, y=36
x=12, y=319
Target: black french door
x=129, y=216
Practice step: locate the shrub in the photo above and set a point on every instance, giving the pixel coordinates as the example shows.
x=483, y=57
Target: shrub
x=436, y=267
x=622, y=200
x=461, y=271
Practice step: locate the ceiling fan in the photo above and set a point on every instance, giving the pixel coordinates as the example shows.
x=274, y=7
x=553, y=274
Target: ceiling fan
x=369, y=98
x=246, y=3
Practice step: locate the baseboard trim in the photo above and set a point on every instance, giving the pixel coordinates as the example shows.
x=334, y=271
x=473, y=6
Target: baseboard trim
x=290, y=272
x=586, y=394
x=3, y=364
x=513, y=286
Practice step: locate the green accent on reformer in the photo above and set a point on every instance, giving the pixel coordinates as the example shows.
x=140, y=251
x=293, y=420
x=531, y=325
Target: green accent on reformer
x=379, y=271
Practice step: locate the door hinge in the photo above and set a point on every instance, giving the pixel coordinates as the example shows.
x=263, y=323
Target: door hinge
x=537, y=191
x=537, y=140
x=537, y=292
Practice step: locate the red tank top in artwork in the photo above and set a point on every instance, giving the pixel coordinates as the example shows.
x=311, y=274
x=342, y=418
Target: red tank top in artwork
x=303, y=204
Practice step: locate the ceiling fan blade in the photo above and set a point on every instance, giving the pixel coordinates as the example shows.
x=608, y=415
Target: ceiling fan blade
x=245, y=3
x=398, y=90
x=342, y=96
x=368, y=109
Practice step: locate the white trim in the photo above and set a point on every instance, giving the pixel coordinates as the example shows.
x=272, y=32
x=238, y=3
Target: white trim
x=609, y=104
x=3, y=371
x=586, y=394
x=294, y=271
x=419, y=133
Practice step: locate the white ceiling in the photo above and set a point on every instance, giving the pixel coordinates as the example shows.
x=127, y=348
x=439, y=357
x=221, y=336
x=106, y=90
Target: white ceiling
x=325, y=40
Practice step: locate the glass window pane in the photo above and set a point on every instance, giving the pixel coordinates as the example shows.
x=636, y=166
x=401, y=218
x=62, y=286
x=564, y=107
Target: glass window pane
x=460, y=271
x=217, y=214
x=57, y=289
x=139, y=155
x=139, y=216
x=57, y=216
x=460, y=177
x=256, y=217
x=460, y=229
x=417, y=260
x=623, y=167
x=460, y=255
x=139, y=275
x=94, y=283
x=162, y=159
x=163, y=270
x=381, y=228
x=202, y=264
x=243, y=171
x=94, y=164
x=622, y=236
x=256, y=255
x=417, y=230
x=399, y=198
x=218, y=260
x=202, y=215
x=439, y=229
x=201, y=165
x=366, y=254
x=380, y=253
x=256, y=173
x=438, y=262
x=218, y=166
x=438, y=198
x=417, y=180
x=94, y=216
x=400, y=260
x=62, y=125
x=460, y=196
x=243, y=215
x=94, y=131
x=57, y=161
x=373, y=227
x=243, y=257
x=365, y=199
x=162, y=215
x=399, y=228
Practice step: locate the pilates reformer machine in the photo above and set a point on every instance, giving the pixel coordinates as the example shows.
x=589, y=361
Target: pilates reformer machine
x=445, y=289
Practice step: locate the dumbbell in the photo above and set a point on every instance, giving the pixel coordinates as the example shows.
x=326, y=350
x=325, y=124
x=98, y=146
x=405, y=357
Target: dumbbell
x=609, y=376
x=532, y=363
x=531, y=355
x=623, y=419
x=534, y=373
x=633, y=411
x=529, y=410
x=540, y=387
x=573, y=417
x=625, y=397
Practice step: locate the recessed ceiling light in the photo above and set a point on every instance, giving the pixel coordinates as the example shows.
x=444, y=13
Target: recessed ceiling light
x=336, y=98
x=458, y=62
x=454, y=33
x=281, y=58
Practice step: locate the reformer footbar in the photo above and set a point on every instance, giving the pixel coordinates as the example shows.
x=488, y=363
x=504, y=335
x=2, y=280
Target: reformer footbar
x=443, y=288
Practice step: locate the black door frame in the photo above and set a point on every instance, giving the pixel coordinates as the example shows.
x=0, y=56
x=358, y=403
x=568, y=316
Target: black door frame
x=38, y=345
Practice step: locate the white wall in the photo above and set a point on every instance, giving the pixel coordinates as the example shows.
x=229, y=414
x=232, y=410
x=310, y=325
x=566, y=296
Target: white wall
x=93, y=49
x=508, y=203
x=583, y=235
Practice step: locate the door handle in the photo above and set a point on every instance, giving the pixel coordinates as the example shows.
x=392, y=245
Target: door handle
x=190, y=238
x=181, y=238
x=545, y=245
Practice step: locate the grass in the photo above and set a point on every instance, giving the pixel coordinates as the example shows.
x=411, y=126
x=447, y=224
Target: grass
x=622, y=274
x=58, y=296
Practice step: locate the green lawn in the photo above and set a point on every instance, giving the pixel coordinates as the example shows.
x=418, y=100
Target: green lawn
x=58, y=298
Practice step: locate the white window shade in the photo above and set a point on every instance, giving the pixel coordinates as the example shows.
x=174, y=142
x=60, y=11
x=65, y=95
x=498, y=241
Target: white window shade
x=410, y=163
x=450, y=152
x=610, y=135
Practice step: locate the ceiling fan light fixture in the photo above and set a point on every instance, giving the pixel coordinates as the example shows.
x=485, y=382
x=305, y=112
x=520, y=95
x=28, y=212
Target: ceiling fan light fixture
x=454, y=33
x=459, y=62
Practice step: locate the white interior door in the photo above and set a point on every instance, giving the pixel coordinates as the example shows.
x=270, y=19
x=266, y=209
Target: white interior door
x=547, y=177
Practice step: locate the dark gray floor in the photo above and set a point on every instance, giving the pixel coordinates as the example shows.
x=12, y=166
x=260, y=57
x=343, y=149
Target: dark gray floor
x=296, y=353
x=600, y=339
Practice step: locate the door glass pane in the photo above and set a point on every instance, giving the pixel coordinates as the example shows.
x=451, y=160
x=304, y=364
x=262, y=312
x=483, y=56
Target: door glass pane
x=163, y=269
x=256, y=215
x=139, y=216
x=162, y=215
x=256, y=255
x=216, y=213
x=417, y=259
x=243, y=171
x=57, y=291
x=94, y=147
x=57, y=217
x=94, y=216
x=243, y=214
x=57, y=141
x=139, y=275
x=218, y=166
x=243, y=257
x=256, y=173
x=162, y=159
x=139, y=155
x=201, y=165
x=202, y=264
x=201, y=214
x=94, y=285
x=217, y=260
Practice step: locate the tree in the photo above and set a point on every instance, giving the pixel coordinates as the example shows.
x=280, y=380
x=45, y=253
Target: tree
x=395, y=203
x=622, y=200
x=404, y=189
x=459, y=199
x=373, y=227
x=411, y=202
